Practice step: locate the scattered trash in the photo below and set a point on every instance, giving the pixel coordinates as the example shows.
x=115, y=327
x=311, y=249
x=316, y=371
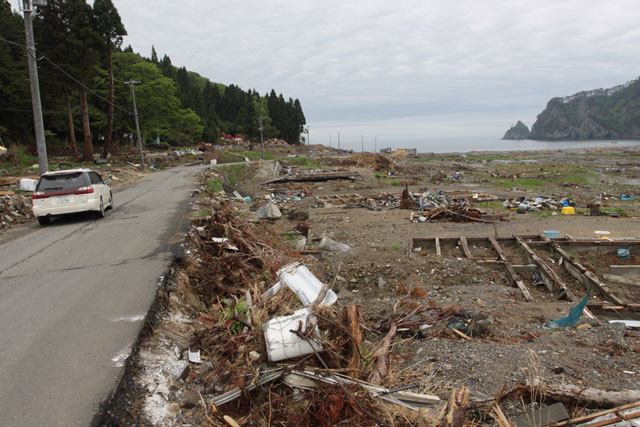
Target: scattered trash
x=574, y=316
x=624, y=254
x=282, y=343
x=568, y=210
x=327, y=244
x=303, y=283
x=27, y=184
x=194, y=356
x=552, y=234
x=602, y=234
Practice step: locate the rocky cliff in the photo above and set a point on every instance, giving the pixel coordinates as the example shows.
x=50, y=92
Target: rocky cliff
x=598, y=114
x=518, y=131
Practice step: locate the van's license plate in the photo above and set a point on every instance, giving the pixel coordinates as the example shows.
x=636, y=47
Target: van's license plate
x=62, y=200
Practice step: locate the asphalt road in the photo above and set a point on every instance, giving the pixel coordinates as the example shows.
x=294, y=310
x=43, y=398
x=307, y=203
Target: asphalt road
x=73, y=296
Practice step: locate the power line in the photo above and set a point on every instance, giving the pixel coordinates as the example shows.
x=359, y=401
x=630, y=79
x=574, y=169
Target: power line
x=84, y=86
x=13, y=43
x=68, y=75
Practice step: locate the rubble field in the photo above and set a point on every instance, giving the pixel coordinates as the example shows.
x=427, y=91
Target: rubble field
x=403, y=335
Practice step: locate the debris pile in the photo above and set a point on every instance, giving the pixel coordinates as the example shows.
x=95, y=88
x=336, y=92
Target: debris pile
x=524, y=204
x=374, y=161
x=15, y=209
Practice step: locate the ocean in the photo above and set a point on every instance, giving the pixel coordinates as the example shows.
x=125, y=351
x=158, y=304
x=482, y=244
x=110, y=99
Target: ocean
x=466, y=144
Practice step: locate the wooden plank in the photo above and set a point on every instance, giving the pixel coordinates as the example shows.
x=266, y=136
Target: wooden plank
x=438, y=250
x=621, y=280
x=553, y=281
x=598, y=414
x=511, y=274
x=465, y=247
x=589, y=276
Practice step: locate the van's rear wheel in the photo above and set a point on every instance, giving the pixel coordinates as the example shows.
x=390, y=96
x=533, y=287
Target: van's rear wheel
x=100, y=213
x=44, y=220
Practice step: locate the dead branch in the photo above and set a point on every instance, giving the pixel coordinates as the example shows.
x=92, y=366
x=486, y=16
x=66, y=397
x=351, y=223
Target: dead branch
x=382, y=364
x=457, y=408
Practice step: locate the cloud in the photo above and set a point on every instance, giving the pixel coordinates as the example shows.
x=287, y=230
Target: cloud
x=373, y=59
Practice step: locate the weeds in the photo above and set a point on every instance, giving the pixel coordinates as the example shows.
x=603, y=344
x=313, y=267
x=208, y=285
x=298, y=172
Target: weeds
x=214, y=185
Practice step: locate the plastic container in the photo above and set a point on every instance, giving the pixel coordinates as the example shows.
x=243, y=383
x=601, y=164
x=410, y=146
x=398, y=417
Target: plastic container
x=568, y=210
x=27, y=184
x=283, y=344
x=602, y=234
x=624, y=254
x=551, y=234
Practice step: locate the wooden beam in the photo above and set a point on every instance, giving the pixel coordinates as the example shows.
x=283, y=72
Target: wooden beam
x=591, y=278
x=511, y=274
x=465, y=247
x=553, y=281
x=438, y=250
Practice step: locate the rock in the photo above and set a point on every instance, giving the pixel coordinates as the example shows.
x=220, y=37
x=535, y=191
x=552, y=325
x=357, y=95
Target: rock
x=175, y=369
x=583, y=327
x=254, y=355
x=190, y=399
x=381, y=283
x=300, y=244
x=517, y=132
x=269, y=211
x=327, y=244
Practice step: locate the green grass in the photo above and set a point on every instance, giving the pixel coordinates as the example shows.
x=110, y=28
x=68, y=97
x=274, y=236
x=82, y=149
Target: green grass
x=619, y=211
x=396, y=246
x=237, y=173
x=488, y=205
x=523, y=183
x=304, y=162
x=255, y=155
x=380, y=175
x=290, y=235
x=395, y=183
x=214, y=185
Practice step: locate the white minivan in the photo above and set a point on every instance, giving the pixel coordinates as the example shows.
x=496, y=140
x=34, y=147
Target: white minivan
x=71, y=191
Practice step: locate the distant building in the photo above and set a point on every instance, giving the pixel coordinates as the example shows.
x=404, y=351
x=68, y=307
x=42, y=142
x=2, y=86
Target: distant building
x=386, y=150
x=409, y=151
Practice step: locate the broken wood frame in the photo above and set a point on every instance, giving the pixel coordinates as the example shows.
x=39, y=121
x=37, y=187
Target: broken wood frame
x=527, y=243
x=313, y=177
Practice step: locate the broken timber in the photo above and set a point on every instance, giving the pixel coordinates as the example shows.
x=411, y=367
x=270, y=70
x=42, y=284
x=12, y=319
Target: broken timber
x=511, y=274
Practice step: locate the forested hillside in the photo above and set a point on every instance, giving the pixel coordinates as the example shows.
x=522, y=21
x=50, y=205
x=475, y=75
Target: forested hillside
x=83, y=68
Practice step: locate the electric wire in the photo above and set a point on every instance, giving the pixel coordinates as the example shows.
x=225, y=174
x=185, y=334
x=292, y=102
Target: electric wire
x=69, y=76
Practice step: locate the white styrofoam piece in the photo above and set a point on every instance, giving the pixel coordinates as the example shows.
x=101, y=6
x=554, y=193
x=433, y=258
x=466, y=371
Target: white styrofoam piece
x=631, y=324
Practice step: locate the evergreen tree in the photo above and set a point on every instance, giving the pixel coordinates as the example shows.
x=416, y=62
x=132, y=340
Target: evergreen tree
x=109, y=26
x=154, y=55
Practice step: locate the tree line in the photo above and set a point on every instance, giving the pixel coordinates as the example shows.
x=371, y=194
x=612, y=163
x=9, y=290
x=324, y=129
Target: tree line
x=83, y=68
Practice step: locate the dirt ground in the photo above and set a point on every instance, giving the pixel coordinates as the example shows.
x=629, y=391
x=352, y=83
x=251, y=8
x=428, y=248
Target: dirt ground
x=384, y=278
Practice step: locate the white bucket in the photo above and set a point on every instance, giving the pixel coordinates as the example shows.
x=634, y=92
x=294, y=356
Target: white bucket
x=282, y=343
x=305, y=285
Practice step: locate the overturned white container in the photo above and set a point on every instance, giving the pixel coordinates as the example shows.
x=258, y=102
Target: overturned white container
x=327, y=244
x=27, y=184
x=305, y=285
x=282, y=343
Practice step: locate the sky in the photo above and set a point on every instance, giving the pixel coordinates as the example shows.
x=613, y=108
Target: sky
x=405, y=70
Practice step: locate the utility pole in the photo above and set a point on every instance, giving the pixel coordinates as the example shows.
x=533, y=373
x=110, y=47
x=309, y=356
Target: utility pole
x=362, y=143
x=27, y=8
x=135, y=116
x=330, y=140
x=338, y=140
x=375, y=144
x=261, y=138
x=308, y=135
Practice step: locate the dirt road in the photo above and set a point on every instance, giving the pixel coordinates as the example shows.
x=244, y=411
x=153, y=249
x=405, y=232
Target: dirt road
x=73, y=297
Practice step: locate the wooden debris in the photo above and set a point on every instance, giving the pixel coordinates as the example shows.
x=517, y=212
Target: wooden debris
x=591, y=396
x=462, y=335
x=353, y=319
x=457, y=408
x=382, y=365
x=618, y=411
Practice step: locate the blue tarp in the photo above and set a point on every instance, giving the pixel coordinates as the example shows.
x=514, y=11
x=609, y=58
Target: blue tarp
x=574, y=316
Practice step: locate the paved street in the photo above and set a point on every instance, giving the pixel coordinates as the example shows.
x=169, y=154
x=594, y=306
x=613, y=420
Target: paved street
x=73, y=296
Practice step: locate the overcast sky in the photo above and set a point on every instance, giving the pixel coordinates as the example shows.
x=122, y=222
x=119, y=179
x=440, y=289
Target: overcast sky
x=458, y=67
